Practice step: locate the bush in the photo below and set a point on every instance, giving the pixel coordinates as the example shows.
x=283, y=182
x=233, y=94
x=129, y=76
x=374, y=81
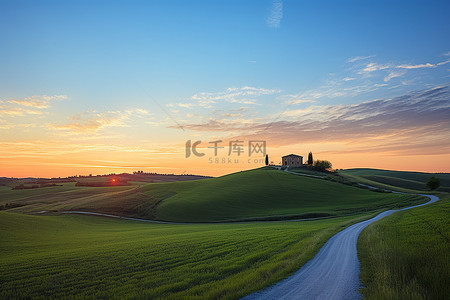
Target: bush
x=322, y=165
x=433, y=183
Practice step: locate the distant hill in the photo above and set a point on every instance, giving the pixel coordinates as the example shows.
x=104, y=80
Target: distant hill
x=138, y=177
x=402, y=179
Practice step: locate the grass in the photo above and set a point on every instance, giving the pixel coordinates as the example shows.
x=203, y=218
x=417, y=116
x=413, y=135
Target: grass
x=86, y=257
x=398, y=180
x=407, y=255
x=83, y=256
x=308, y=172
x=266, y=193
x=250, y=195
x=8, y=194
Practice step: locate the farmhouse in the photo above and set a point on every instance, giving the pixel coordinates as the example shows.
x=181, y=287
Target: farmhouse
x=292, y=160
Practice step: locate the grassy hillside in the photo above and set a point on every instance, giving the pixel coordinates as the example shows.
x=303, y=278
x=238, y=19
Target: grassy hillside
x=262, y=193
x=402, y=179
x=407, y=255
x=93, y=257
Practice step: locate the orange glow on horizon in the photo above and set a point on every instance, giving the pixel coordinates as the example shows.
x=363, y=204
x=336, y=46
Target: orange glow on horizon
x=48, y=166
x=49, y=160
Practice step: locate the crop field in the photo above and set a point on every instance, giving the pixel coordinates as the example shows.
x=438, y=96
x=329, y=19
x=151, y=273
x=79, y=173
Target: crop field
x=250, y=195
x=86, y=256
x=407, y=255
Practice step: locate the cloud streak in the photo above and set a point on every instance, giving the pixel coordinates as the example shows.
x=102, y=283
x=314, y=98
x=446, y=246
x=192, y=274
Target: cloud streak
x=275, y=14
x=356, y=58
x=91, y=122
x=38, y=101
x=34, y=105
x=243, y=95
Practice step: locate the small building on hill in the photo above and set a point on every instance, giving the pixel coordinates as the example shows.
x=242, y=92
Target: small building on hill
x=292, y=160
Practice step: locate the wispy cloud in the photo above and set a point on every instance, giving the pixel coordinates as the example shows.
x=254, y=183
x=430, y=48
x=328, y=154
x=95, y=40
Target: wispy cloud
x=91, y=122
x=38, y=101
x=372, y=66
x=419, y=66
x=17, y=111
x=393, y=74
x=390, y=70
x=443, y=62
x=345, y=87
x=33, y=105
x=243, y=95
x=5, y=125
x=356, y=58
x=275, y=14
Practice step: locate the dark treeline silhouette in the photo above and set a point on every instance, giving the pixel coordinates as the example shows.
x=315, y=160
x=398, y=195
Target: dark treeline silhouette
x=34, y=186
x=101, y=183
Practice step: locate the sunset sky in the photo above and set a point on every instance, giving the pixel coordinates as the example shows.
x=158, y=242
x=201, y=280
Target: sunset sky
x=117, y=86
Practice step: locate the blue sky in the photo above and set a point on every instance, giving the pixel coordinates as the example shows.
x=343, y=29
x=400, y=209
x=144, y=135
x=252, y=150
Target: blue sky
x=248, y=62
x=103, y=50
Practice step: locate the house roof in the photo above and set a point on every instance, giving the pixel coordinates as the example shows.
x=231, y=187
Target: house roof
x=294, y=155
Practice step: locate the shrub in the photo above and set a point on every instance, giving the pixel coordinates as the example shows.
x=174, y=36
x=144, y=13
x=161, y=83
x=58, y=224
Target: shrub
x=433, y=183
x=322, y=165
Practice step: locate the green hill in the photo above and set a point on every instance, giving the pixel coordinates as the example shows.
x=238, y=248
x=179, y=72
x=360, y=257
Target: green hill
x=402, y=179
x=265, y=193
x=250, y=195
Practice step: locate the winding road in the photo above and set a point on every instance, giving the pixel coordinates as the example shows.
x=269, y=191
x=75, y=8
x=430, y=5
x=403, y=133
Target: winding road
x=333, y=273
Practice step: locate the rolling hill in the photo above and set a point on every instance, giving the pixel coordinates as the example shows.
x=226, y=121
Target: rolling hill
x=401, y=179
x=265, y=193
x=250, y=195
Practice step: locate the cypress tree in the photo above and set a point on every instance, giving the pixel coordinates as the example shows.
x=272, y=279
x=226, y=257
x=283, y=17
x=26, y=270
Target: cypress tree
x=310, y=158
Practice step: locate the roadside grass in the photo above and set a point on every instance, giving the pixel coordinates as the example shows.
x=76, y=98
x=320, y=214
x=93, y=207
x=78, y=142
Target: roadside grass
x=407, y=255
x=255, y=194
x=94, y=257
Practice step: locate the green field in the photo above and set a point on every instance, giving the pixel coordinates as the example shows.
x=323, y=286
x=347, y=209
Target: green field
x=86, y=256
x=265, y=193
x=407, y=255
x=396, y=179
x=250, y=195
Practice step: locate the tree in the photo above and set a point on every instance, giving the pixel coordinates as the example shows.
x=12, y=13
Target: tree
x=322, y=165
x=433, y=183
x=310, y=159
x=267, y=159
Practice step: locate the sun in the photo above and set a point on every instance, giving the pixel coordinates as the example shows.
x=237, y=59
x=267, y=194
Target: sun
x=113, y=180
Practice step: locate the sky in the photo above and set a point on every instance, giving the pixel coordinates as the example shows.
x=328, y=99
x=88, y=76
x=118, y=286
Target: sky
x=97, y=87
